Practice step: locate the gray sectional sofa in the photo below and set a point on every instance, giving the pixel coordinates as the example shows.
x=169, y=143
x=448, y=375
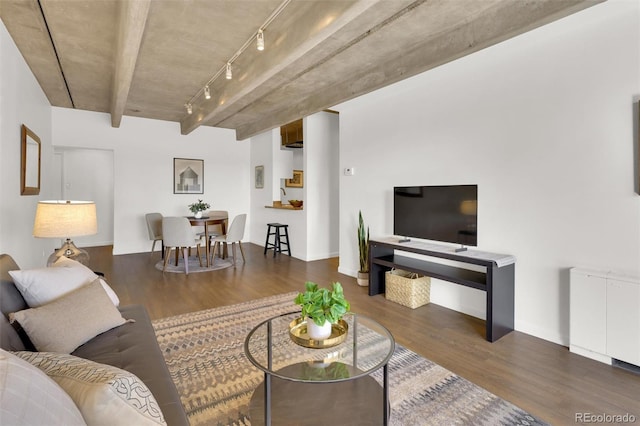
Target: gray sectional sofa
x=132, y=347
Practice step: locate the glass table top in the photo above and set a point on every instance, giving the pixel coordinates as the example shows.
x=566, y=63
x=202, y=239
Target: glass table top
x=368, y=346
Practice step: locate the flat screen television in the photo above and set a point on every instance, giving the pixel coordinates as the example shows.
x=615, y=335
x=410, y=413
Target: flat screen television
x=441, y=213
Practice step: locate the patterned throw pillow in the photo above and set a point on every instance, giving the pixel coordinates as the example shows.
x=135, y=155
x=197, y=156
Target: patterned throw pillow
x=104, y=394
x=29, y=397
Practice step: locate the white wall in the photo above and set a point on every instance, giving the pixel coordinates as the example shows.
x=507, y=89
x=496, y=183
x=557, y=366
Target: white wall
x=321, y=180
x=143, y=152
x=266, y=151
x=21, y=102
x=543, y=123
x=87, y=174
x=313, y=231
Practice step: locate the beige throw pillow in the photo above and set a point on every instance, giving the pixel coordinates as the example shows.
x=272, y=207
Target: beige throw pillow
x=104, y=394
x=70, y=321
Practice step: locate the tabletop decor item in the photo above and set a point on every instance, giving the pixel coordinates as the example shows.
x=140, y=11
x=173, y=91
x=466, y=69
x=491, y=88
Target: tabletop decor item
x=198, y=208
x=299, y=333
x=296, y=203
x=322, y=311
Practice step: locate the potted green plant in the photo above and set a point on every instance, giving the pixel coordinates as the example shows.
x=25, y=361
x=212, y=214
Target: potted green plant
x=363, y=247
x=322, y=307
x=198, y=208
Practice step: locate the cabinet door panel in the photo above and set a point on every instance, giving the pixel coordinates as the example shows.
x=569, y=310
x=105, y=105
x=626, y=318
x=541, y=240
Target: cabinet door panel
x=588, y=312
x=623, y=321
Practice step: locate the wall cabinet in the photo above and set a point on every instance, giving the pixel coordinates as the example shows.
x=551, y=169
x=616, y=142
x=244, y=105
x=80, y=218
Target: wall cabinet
x=605, y=316
x=292, y=134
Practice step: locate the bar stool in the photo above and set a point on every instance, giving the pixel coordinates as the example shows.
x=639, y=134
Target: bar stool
x=277, y=240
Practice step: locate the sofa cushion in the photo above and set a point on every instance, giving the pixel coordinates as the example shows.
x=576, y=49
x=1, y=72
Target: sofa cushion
x=29, y=397
x=134, y=347
x=104, y=394
x=43, y=285
x=10, y=301
x=68, y=322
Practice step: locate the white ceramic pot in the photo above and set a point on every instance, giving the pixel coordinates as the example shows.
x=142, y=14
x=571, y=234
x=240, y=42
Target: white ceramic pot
x=198, y=215
x=318, y=332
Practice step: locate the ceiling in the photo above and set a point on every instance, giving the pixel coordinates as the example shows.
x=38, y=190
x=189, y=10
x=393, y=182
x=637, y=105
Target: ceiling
x=148, y=58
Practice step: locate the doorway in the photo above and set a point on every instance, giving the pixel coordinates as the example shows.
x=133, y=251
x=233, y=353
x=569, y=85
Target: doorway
x=87, y=174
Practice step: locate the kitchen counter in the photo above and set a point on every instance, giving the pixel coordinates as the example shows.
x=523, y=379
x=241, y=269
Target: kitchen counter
x=285, y=207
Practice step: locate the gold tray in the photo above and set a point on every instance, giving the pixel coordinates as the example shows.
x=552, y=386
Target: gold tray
x=298, y=333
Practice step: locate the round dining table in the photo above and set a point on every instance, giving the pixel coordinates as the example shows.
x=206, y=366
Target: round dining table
x=210, y=220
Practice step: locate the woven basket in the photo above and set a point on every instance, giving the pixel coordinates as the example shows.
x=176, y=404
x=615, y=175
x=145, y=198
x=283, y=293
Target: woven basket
x=407, y=288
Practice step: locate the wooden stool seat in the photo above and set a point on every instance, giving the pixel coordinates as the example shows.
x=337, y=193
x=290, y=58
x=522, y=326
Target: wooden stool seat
x=278, y=241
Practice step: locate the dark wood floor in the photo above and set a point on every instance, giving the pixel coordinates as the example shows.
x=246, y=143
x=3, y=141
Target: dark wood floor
x=538, y=376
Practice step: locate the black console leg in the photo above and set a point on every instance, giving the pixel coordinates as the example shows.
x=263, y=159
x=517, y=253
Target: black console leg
x=376, y=271
x=500, y=301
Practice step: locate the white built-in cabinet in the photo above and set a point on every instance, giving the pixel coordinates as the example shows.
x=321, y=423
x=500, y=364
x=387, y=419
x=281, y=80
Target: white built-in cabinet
x=605, y=316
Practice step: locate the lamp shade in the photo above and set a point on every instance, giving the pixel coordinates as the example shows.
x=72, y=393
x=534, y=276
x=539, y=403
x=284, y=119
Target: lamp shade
x=65, y=219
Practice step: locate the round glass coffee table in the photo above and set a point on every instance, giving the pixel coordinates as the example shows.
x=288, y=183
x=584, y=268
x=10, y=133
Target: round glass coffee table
x=320, y=386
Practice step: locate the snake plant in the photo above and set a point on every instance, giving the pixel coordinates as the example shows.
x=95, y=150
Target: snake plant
x=363, y=245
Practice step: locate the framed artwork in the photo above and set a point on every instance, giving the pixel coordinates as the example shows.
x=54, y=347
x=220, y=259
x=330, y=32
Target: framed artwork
x=297, y=181
x=30, y=162
x=188, y=176
x=259, y=178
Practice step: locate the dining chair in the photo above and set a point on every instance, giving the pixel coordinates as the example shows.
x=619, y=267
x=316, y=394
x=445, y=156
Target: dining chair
x=177, y=233
x=154, y=227
x=215, y=230
x=234, y=235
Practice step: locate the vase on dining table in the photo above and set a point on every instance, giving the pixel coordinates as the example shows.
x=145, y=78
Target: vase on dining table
x=198, y=215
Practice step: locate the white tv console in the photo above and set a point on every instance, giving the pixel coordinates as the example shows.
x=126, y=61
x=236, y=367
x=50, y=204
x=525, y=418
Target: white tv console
x=497, y=282
x=604, y=316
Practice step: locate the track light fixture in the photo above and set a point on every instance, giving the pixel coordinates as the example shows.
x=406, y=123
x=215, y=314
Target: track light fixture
x=259, y=37
x=260, y=40
x=229, y=74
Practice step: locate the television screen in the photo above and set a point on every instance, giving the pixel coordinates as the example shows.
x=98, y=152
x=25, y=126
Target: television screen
x=440, y=213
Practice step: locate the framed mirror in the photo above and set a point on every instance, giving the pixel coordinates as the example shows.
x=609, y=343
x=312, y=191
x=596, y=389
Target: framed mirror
x=30, y=168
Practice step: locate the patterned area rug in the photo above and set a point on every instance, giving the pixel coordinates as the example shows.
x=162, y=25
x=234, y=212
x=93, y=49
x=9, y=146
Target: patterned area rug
x=205, y=355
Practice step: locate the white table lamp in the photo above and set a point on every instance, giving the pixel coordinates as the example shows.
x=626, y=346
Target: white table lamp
x=66, y=219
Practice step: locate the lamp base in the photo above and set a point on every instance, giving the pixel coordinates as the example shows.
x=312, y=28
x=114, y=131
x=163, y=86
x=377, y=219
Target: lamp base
x=69, y=250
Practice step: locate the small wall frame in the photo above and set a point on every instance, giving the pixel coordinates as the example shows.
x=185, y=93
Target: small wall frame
x=188, y=176
x=297, y=181
x=30, y=162
x=259, y=177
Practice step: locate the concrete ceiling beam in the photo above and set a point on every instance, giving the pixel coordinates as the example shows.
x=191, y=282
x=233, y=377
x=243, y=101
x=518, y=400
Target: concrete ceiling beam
x=133, y=18
x=350, y=79
x=27, y=26
x=147, y=58
x=298, y=31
